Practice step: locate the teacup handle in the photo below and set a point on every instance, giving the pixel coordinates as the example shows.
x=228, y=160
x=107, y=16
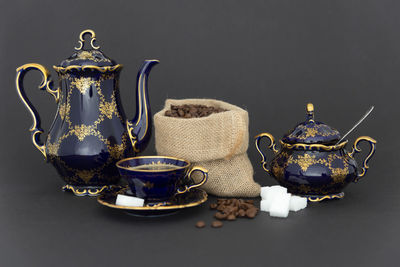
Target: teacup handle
x=189, y=175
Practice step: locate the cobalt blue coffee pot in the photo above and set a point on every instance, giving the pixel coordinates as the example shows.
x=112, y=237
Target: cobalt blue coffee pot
x=90, y=132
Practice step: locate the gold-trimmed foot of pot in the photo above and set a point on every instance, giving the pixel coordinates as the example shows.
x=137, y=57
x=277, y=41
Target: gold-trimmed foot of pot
x=314, y=198
x=81, y=191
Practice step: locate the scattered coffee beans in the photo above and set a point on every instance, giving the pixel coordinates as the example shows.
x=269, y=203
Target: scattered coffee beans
x=192, y=111
x=230, y=209
x=217, y=224
x=200, y=224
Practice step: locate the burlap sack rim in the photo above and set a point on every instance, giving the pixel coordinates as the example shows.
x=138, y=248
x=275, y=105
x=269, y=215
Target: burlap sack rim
x=220, y=103
x=237, y=140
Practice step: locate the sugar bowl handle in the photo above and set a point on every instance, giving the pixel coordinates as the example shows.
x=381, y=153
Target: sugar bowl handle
x=189, y=175
x=271, y=146
x=47, y=85
x=356, y=149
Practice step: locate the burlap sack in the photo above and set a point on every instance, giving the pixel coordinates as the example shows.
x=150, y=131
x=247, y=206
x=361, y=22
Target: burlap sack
x=217, y=142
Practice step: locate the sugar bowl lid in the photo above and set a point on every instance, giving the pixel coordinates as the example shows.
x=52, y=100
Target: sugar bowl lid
x=87, y=57
x=312, y=132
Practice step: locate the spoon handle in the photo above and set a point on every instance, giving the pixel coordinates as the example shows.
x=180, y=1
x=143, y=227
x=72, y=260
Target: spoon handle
x=355, y=125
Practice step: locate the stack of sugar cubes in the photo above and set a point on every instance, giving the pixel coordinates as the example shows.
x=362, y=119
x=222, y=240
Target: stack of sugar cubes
x=277, y=201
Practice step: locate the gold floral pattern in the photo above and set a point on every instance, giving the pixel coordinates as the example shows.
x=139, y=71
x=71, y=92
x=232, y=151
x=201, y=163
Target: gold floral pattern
x=53, y=148
x=85, y=55
x=85, y=175
x=303, y=161
x=338, y=174
x=81, y=131
x=117, y=151
x=311, y=132
x=64, y=109
x=148, y=185
x=277, y=170
x=108, y=108
x=82, y=84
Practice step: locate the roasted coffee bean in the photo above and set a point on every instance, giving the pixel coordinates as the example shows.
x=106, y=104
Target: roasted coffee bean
x=248, y=206
x=228, y=209
x=231, y=217
x=213, y=206
x=200, y=224
x=243, y=206
x=220, y=207
x=217, y=224
x=251, y=213
x=220, y=215
x=242, y=213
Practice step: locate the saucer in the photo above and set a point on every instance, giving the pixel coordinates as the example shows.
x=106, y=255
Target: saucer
x=193, y=198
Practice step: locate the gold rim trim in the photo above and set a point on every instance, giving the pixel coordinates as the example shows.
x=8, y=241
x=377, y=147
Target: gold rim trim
x=192, y=204
x=118, y=164
x=87, y=67
x=313, y=146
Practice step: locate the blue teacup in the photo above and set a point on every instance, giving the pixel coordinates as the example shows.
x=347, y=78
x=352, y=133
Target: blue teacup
x=159, y=178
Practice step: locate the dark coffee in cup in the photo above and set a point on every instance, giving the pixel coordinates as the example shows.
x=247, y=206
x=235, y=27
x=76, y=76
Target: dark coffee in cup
x=149, y=167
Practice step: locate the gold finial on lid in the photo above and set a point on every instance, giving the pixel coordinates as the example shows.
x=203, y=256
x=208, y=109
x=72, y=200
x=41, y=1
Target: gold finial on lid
x=310, y=108
x=92, y=36
x=310, y=111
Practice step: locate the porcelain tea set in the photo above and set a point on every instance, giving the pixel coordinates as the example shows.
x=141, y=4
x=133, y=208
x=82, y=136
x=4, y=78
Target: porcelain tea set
x=93, y=145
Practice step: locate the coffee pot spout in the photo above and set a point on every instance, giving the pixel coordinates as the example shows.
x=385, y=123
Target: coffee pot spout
x=140, y=128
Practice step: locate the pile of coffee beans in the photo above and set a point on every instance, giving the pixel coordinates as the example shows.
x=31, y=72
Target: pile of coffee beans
x=192, y=111
x=230, y=209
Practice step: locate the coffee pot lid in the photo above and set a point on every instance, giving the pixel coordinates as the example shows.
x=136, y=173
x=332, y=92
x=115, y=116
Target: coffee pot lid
x=312, y=132
x=87, y=57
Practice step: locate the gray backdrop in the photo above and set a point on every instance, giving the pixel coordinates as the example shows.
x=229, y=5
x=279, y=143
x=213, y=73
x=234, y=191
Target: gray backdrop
x=269, y=57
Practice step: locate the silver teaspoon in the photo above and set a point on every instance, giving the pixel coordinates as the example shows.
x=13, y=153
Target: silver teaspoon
x=355, y=125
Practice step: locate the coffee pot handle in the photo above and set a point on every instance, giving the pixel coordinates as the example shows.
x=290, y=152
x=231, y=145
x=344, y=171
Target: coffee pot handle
x=271, y=146
x=47, y=85
x=356, y=149
x=189, y=175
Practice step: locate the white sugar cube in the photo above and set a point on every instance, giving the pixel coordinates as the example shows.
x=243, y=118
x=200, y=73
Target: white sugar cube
x=264, y=191
x=123, y=200
x=270, y=194
x=264, y=205
x=278, y=188
x=280, y=206
x=297, y=203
